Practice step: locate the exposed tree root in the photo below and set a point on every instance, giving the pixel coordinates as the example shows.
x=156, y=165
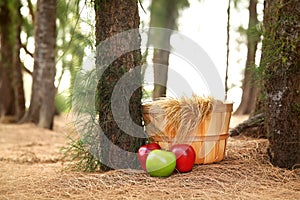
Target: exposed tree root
x=252, y=127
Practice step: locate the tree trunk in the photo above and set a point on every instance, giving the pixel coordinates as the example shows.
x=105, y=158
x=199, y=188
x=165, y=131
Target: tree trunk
x=6, y=89
x=12, y=100
x=282, y=84
x=41, y=110
x=163, y=15
x=227, y=47
x=17, y=71
x=249, y=89
x=160, y=67
x=113, y=17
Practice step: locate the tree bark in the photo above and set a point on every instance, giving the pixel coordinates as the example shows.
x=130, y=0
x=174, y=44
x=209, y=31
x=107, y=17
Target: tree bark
x=17, y=71
x=6, y=89
x=12, y=101
x=249, y=88
x=41, y=110
x=160, y=67
x=112, y=17
x=227, y=48
x=282, y=84
x=163, y=15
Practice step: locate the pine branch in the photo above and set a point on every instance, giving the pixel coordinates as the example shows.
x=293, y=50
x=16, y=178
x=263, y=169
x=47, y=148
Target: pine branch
x=26, y=69
x=31, y=11
x=26, y=50
x=72, y=36
x=255, y=121
x=60, y=78
x=142, y=6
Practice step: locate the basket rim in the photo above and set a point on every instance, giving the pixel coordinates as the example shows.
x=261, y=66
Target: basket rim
x=217, y=107
x=207, y=138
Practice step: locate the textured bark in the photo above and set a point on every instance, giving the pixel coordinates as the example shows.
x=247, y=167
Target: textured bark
x=6, y=89
x=249, y=88
x=17, y=70
x=160, y=67
x=12, y=100
x=113, y=17
x=282, y=84
x=41, y=110
x=164, y=16
x=227, y=48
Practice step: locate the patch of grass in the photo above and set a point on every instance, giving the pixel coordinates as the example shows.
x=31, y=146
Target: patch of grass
x=80, y=157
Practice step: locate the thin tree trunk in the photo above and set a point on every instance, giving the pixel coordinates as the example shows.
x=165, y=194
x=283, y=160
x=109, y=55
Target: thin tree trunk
x=41, y=110
x=113, y=17
x=165, y=17
x=6, y=90
x=17, y=71
x=227, y=48
x=249, y=88
x=160, y=67
x=11, y=84
x=282, y=84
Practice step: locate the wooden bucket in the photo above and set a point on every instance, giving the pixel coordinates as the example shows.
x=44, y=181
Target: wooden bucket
x=211, y=137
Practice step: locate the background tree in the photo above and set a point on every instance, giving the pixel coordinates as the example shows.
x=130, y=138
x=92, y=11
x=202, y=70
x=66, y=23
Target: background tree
x=18, y=72
x=113, y=17
x=281, y=89
x=249, y=88
x=12, y=100
x=71, y=43
x=7, y=97
x=227, y=48
x=278, y=101
x=41, y=110
x=164, y=14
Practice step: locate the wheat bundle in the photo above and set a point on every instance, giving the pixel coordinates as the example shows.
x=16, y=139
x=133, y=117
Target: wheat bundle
x=179, y=118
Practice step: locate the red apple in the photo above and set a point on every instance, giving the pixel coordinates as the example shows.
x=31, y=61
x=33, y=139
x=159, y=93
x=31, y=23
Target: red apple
x=185, y=157
x=144, y=151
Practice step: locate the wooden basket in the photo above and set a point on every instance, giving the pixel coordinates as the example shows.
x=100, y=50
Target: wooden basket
x=211, y=137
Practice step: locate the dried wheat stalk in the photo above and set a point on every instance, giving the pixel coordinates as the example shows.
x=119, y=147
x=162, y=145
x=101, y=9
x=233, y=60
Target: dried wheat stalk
x=181, y=116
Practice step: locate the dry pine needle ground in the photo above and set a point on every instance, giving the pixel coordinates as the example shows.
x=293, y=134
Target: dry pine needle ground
x=245, y=173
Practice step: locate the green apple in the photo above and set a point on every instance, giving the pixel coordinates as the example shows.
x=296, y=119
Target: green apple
x=160, y=163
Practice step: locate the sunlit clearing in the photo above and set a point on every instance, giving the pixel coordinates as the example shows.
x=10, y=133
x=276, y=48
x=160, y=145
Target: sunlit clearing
x=234, y=95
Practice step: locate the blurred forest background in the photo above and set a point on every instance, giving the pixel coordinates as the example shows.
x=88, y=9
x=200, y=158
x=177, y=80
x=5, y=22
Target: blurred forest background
x=44, y=43
x=75, y=39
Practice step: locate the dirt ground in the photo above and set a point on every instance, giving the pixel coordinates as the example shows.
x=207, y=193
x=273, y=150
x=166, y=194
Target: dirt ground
x=31, y=168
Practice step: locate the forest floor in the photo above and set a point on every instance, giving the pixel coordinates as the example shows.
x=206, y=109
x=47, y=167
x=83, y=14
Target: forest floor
x=31, y=167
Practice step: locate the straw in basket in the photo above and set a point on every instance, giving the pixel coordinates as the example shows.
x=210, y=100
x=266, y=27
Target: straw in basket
x=200, y=122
